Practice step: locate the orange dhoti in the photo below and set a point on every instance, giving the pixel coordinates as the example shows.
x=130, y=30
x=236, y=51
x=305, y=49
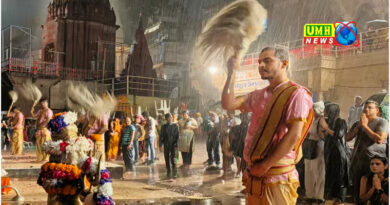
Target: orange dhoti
x=17, y=141
x=42, y=135
x=281, y=193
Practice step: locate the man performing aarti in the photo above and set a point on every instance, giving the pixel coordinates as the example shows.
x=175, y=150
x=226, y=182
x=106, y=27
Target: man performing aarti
x=17, y=122
x=42, y=135
x=94, y=128
x=281, y=117
x=95, y=111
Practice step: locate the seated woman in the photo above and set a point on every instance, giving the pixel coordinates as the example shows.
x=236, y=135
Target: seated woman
x=374, y=187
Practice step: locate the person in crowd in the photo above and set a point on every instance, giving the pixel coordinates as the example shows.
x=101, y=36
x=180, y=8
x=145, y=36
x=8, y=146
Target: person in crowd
x=315, y=168
x=5, y=139
x=175, y=120
x=138, y=134
x=272, y=144
x=186, y=144
x=95, y=128
x=227, y=155
x=114, y=140
x=122, y=124
x=42, y=134
x=355, y=111
x=213, y=139
x=374, y=186
x=169, y=142
x=237, y=140
x=107, y=135
x=143, y=151
x=199, y=121
x=160, y=122
x=31, y=133
x=17, y=122
x=336, y=156
x=150, y=129
x=371, y=139
x=25, y=130
x=127, y=145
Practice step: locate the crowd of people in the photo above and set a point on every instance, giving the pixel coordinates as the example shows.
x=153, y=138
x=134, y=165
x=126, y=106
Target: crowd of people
x=264, y=141
x=334, y=169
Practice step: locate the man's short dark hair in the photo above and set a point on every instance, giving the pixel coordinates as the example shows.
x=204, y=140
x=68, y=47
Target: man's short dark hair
x=372, y=102
x=15, y=107
x=145, y=114
x=280, y=53
x=43, y=100
x=168, y=115
x=185, y=112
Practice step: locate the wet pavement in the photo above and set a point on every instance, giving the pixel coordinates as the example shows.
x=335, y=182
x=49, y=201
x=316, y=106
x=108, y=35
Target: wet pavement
x=149, y=184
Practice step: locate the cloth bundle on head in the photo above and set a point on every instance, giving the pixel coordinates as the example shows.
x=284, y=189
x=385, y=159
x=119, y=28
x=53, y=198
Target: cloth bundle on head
x=81, y=100
x=319, y=107
x=31, y=92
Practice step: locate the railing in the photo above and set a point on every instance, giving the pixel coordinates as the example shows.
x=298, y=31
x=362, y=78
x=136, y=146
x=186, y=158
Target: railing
x=140, y=86
x=369, y=41
x=46, y=70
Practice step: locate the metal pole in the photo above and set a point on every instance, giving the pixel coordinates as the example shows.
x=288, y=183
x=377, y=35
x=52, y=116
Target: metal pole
x=112, y=86
x=30, y=49
x=127, y=85
x=104, y=62
x=153, y=87
x=98, y=58
x=10, y=42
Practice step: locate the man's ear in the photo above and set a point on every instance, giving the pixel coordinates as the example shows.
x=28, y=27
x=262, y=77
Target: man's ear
x=284, y=63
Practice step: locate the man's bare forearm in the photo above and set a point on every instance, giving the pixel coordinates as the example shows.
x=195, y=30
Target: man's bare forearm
x=229, y=102
x=378, y=138
x=286, y=144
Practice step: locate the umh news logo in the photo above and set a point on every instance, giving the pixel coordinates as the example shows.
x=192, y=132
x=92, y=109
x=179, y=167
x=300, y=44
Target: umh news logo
x=338, y=34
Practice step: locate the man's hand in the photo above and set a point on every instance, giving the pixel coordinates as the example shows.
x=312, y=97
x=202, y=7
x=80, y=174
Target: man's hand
x=161, y=149
x=260, y=169
x=245, y=176
x=363, y=120
x=232, y=64
x=130, y=146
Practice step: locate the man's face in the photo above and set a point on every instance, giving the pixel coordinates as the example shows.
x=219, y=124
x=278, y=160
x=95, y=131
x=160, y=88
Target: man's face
x=371, y=110
x=213, y=118
x=358, y=101
x=269, y=65
x=138, y=120
x=128, y=121
x=185, y=116
x=169, y=119
x=44, y=104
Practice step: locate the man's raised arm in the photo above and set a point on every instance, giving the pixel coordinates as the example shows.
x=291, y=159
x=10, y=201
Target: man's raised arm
x=229, y=102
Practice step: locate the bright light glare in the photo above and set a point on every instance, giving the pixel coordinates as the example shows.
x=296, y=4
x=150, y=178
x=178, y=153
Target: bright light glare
x=212, y=69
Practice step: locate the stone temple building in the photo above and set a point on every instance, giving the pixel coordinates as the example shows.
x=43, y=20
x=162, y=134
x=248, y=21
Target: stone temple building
x=75, y=34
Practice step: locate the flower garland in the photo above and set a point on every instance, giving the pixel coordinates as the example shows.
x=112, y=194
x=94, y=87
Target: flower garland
x=61, y=171
x=61, y=120
x=80, y=145
x=70, y=117
x=105, y=191
x=58, y=178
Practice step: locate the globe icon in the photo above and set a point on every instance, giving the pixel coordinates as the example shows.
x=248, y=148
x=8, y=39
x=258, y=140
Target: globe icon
x=346, y=36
